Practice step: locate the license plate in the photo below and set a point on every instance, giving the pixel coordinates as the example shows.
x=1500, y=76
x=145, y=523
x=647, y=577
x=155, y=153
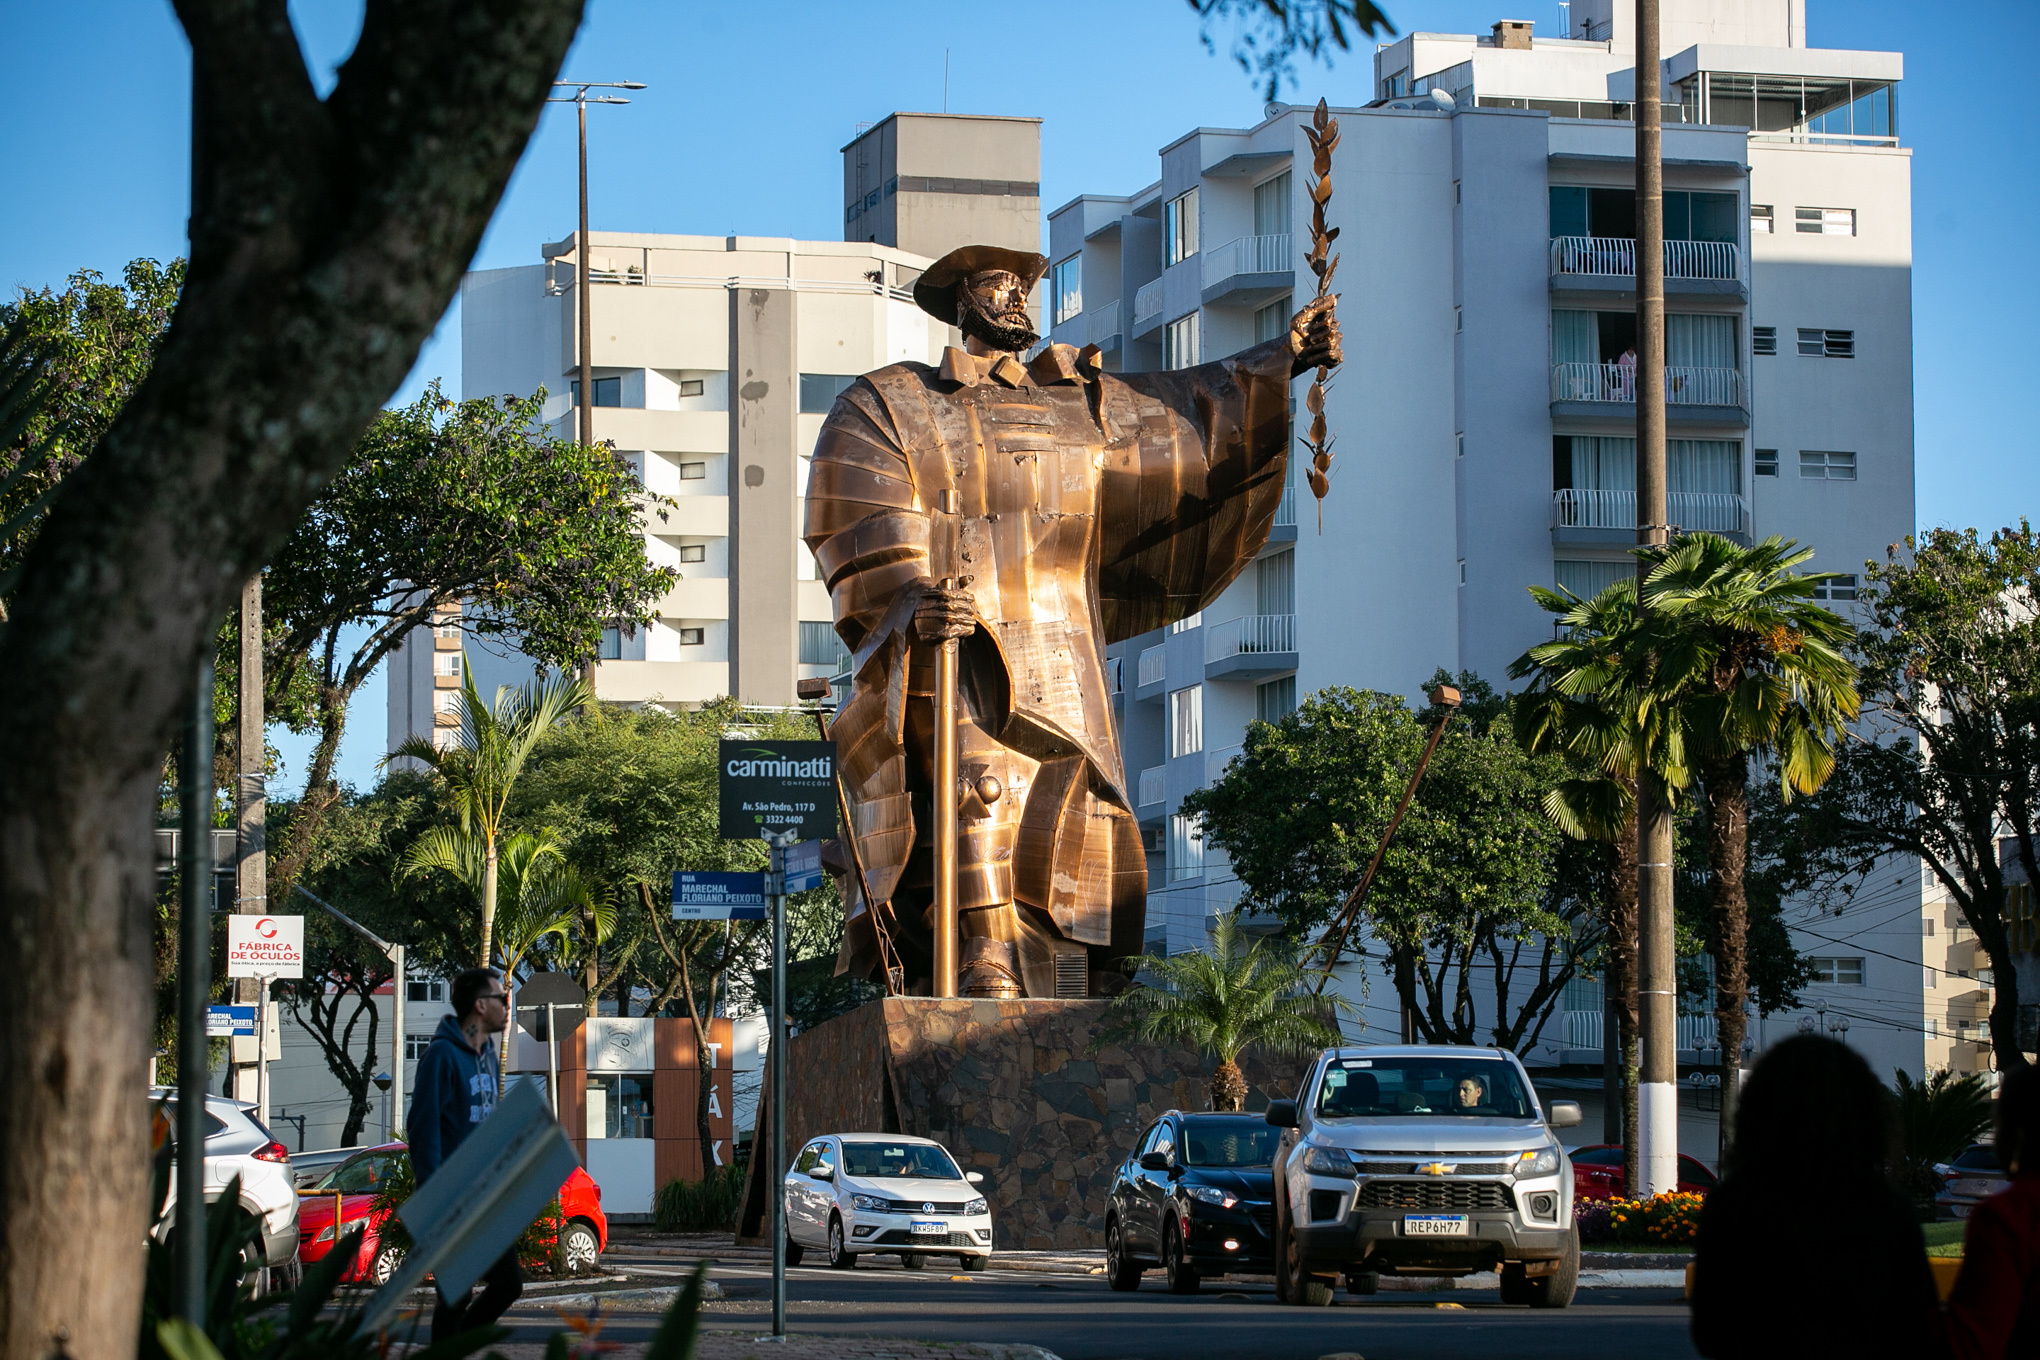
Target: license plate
x=922, y=1227
x=1436, y=1225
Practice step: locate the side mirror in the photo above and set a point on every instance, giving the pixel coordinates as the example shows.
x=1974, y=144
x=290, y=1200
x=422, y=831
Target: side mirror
x=974, y=1177
x=1282, y=1113
x=1154, y=1161
x=1565, y=1113
x=823, y=1172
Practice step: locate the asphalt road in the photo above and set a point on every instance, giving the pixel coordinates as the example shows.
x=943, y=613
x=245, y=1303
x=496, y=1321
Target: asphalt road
x=1079, y=1318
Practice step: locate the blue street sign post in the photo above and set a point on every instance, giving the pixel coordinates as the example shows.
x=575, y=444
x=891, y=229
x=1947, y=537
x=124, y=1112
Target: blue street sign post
x=804, y=867
x=718, y=897
x=227, y=1022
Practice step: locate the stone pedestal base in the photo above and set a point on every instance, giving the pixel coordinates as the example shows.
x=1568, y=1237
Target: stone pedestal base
x=1011, y=1088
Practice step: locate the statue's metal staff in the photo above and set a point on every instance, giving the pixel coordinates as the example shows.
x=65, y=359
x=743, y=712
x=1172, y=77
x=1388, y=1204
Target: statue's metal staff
x=946, y=776
x=1323, y=133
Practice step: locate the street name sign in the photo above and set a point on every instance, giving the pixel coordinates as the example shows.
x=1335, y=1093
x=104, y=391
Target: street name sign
x=804, y=867
x=265, y=946
x=718, y=897
x=227, y=1022
x=769, y=786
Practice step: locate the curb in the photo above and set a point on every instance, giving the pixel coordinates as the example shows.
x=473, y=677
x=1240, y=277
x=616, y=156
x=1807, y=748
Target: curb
x=654, y=1300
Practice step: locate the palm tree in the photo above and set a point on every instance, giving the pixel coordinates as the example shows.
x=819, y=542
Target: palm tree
x=1938, y=1118
x=539, y=894
x=481, y=768
x=1224, y=1001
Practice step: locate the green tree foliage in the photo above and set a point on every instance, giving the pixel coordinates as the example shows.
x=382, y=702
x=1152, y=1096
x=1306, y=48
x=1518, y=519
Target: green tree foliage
x=1949, y=767
x=1241, y=993
x=1937, y=1118
x=1480, y=936
x=1269, y=35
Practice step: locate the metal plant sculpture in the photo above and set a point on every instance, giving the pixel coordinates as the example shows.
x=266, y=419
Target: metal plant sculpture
x=1324, y=136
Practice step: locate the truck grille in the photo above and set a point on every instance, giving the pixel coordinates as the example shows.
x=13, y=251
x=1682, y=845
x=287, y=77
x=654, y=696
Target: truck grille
x=1434, y=1194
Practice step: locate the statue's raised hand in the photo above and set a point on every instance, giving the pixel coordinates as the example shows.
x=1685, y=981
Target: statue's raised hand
x=944, y=614
x=1314, y=336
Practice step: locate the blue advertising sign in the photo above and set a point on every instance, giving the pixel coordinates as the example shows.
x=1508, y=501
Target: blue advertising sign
x=718, y=897
x=227, y=1022
x=804, y=867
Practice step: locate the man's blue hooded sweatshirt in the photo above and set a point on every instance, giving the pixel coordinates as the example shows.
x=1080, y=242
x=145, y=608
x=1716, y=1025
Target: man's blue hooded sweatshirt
x=456, y=1089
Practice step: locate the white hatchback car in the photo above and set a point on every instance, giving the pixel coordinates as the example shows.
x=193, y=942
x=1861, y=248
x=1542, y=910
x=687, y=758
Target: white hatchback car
x=855, y=1194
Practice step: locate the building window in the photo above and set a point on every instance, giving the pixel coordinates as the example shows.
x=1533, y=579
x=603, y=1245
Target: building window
x=1396, y=86
x=1186, y=721
x=1767, y=463
x=1827, y=465
x=1068, y=283
x=1459, y=445
x=1825, y=344
x=1587, y=578
x=1275, y=584
x=1927, y=927
x=611, y=646
x=819, y=645
x=1179, y=342
x=1462, y=571
x=1824, y=221
x=1764, y=339
x=1760, y=219
x=1844, y=972
x=608, y=391
x=446, y=701
x=427, y=991
x=1836, y=588
x=690, y=637
x=693, y=472
x=1179, y=228
x=1186, y=623
x=1185, y=855
x=1271, y=206
x=818, y=391
x=446, y=628
x=415, y=1046
x=690, y=387
x=446, y=663
x=619, y=1106
x=1275, y=700
x=1272, y=321
x=693, y=552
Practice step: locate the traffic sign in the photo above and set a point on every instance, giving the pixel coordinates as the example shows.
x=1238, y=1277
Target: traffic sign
x=226, y=1022
x=804, y=867
x=718, y=897
x=265, y=946
x=781, y=786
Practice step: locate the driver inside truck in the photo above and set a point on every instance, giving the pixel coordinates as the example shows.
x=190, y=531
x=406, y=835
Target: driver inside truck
x=1471, y=1093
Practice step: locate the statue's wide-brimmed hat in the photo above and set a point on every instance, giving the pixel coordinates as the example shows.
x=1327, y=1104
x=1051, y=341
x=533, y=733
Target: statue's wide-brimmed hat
x=936, y=290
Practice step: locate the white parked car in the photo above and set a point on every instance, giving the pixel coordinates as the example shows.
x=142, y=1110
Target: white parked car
x=856, y=1194
x=236, y=1144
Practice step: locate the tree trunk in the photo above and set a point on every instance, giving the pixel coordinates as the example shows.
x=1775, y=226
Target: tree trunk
x=1228, y=1087
x=327, y=238
x=488, y=904
x=1726, y=782
x=1621, y=984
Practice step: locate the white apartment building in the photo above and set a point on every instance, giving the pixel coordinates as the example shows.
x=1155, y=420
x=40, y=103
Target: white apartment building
x=1485, y=415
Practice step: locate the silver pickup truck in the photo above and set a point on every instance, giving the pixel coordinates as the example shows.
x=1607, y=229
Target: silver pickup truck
x=1422, y=1160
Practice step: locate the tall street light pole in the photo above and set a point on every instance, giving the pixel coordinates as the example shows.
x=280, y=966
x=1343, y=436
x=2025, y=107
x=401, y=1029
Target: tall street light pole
x=581, y=99
x=1658, y=1082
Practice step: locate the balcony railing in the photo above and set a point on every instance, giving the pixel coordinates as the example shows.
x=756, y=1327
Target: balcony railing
x=1249, y=255
x=1154, y=666
x=1583, y=1030
x=1285, y=510
x=1102, y=322
x=1714, y=512
x=1153, y=788
x=1250, y=634
x=1147, y=305
x=1615, y=257
x=1617, y=383
x=1216, y=761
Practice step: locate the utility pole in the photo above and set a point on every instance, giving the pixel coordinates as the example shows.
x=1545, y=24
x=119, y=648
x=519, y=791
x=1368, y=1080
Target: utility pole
x=775, y=895
x=251, y=818
x=1658, y=1083
x=583, y=321
x=194, y=982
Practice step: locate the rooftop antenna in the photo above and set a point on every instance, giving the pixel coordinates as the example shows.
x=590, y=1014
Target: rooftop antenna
x=1565, y=18
x=945, y=80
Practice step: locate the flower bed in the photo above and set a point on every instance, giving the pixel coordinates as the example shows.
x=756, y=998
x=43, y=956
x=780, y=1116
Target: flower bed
x=1668, y=1220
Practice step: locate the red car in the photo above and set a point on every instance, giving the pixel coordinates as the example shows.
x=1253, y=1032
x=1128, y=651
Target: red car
x=1597, y=1173
x=354, y=1183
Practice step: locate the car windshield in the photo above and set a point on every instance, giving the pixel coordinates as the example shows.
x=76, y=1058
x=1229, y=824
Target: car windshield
x=1228, y=1142
x=1982, y=1157
x=1428, y=1087
x=899, y=1161
x=362, y=1175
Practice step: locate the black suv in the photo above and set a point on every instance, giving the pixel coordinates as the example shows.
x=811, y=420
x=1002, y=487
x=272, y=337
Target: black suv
x=1196, y=1198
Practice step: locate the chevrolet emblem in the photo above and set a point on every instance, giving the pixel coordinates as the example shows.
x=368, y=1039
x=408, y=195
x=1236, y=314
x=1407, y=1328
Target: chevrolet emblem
x=1437, y=1169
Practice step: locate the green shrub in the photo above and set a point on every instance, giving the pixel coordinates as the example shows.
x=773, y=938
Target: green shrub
x=706, y=1205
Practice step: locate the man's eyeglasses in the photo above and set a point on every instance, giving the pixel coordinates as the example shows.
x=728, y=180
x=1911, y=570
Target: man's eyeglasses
x=493, y=996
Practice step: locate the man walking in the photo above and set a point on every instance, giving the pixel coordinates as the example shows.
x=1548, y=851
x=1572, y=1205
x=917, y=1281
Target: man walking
x=457, y=1083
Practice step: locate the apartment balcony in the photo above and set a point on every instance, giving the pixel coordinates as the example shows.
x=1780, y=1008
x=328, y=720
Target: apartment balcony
x=1250, y=646
x=1250, y=270
x=1153, y=788
x=1147, y=309
x=1216, y=761
x=1579, y=1032
x=1608, y=264
x=1101, y=326
x=1705, y=395
x=1151, y=669
x=1608, y=518
x=1283, y=530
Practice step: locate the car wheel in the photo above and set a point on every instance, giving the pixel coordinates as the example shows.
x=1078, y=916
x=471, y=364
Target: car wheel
x=581, y=1248
x=912, y=1260
x=386, y=1262
x=1182, y=1278
x=1121, y=1271
x=1556, y=1290
x=794, y=1251
x=1307, y=1291
x=840, y=1255
x=973, y=1264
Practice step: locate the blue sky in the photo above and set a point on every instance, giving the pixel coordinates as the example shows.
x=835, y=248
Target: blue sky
x=749, y=105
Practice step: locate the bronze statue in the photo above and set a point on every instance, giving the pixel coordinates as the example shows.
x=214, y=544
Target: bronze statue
x=986, y=527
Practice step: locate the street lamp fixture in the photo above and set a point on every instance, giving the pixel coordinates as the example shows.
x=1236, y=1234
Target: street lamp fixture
x=581, y=99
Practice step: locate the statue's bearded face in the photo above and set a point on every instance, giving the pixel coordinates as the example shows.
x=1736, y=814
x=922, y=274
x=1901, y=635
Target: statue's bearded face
x=992, y=307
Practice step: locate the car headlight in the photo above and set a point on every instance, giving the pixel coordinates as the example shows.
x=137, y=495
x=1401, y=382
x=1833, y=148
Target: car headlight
x=325, y=1235
x=1322, y=1161
x=1210, y=1194
x=976, y=1207
x=1539, y=1162
x=870, y=1203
